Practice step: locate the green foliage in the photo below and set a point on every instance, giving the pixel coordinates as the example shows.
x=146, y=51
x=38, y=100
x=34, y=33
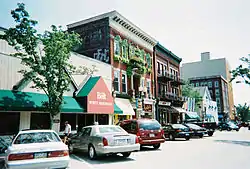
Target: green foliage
x=242, y=71
x=243, y=112
x=46, y=57
x=189, y=91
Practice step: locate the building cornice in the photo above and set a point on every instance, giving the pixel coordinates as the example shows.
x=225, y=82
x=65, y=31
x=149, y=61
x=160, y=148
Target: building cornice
x=168, y=52
x=118, y=19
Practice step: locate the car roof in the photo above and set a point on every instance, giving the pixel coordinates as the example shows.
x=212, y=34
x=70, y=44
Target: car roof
x=101, y=126
x=35, y=131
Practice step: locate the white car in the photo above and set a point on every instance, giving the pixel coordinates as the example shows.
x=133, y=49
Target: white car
x=100, y=140
x=37, y=149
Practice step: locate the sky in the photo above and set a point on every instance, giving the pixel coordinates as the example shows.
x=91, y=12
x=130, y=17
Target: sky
x=186, y=27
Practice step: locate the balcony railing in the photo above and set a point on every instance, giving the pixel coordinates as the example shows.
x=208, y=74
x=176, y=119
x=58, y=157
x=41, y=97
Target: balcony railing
x=164, y=76
x=172, y=96
x=177, y=81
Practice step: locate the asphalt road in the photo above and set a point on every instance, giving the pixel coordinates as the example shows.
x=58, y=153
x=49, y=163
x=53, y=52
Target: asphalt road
x=225, y=150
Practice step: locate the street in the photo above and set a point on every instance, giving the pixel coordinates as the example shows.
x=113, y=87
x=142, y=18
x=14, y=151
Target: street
x=225, y=150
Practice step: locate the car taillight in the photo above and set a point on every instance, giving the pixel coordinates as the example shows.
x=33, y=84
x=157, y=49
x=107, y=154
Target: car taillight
x=161, y=131
x=105, y=142
x=136, y=140
x=58, y=153
x=203, y=125
x=190, y=129
x=24, y=156
x=178, y=130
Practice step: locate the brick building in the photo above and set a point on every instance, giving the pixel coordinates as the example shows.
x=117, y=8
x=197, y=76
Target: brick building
x=168, y=86
x=113, y=39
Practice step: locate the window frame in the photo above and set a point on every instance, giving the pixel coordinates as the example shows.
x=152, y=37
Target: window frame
x=126, y=82
x=119, y=79
x=148, y=81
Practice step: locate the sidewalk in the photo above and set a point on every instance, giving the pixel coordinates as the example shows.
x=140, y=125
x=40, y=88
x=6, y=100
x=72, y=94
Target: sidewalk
x=78, y=163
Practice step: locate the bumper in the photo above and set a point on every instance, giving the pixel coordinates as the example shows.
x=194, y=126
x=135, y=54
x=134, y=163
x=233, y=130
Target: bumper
x=199, y=133
x=48, y=163
x=183, y=134
x=118, y=149
x=151, y=142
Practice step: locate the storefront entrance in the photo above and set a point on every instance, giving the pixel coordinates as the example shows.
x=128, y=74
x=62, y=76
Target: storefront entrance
x=10, y=122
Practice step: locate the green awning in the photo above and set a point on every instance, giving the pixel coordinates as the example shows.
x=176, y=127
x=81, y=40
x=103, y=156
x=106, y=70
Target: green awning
x=27, y=101
x=88, y=86
x=117, y=110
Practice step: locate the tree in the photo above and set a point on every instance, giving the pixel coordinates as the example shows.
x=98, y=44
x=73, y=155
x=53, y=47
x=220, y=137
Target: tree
x=243, y=112
x=242, y=71
x=46, y=57
x=189, y=91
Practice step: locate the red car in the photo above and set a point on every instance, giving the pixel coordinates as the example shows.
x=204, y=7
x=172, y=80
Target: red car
x=149, y=131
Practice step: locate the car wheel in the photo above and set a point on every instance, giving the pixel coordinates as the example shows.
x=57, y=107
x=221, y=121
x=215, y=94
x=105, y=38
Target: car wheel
x=228, y=129
x=171, y=137
x=237, y=129
x=71, y=148
x=187, y=138
x=201, y=136
x=126, y=154
x=91, y=152
x=156, y=146
x=210, y=133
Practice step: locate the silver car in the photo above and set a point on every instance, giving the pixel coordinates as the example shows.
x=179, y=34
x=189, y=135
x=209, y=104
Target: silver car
x=37, y=149
x=103, y=140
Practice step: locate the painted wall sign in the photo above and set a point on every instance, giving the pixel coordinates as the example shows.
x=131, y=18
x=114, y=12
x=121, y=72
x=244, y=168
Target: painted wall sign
x=148, y=107
x=100, y=99
x=162, y=103
x=95, y=39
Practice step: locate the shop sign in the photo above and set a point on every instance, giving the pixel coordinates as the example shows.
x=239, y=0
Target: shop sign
x=162, y=103
x=148, y=107
x=100, y=99
x=138, y=104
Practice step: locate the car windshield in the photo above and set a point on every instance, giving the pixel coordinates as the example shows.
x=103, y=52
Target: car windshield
x=149, y=125
x=111, y=129
x=193, y=126
x=39, y=137
x=231, y=124
x=179, y=126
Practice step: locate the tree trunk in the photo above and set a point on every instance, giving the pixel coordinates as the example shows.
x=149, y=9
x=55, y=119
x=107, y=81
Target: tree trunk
x=51, y=120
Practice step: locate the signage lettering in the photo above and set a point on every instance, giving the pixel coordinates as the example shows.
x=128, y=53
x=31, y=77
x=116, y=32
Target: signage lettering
x=148, y=107
x=101, y=96
x=100, y=103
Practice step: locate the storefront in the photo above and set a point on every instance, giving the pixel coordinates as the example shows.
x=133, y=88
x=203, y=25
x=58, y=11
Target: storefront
x=169, y=113
x=148, y=108
x=123, y=110
x=95, y=97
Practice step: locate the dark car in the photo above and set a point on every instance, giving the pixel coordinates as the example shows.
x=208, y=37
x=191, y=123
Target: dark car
x=228, y=126
x=149, y=131
x=173, y=131
x=196, y=130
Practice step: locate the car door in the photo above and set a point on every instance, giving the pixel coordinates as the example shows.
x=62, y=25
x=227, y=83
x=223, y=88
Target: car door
x=85, y=138
x=166, y=129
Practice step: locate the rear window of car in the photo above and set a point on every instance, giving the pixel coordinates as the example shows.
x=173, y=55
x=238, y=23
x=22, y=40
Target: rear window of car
x=179, y=126
x=149, y=125
x=193, y=126
x=111, y=129
x=39, y=137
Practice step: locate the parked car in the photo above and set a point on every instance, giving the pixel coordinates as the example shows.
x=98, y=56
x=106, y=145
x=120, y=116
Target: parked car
x=173, y=131
x=100, y=140
x=196, y=130
x=37, y=149
x=228, y=126
x=149, y=131
x=210, y=126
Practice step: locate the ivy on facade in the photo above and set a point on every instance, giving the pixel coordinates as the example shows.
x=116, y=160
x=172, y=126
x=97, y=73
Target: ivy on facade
x=132, y=56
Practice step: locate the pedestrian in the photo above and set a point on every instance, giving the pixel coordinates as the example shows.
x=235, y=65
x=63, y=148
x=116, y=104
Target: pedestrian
x=67, y=131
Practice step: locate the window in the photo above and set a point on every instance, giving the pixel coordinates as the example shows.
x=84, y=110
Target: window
x=211, y=93
x=148, y=87
x=37, y=137
x=197, y=84
x=86, y=131
x=124, y=82
x=192, y=84
x=159, y=89
x=216, y=84
x=117, y=80
x=165, y=69
x=162, y=69
x=117, y=48
x=217, y=92
x=158, y=68
x=210, y=84
x=218, y=101
x=124, y=51
x=111, y=129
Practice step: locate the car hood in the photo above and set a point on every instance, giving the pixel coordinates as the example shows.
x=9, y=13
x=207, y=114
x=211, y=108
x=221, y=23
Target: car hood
x=37, y=147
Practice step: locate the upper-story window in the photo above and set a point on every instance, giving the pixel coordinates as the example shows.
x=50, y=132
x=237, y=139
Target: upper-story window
x=158, y=68
x=124, y=82
x=217, y=92
x=210, y=84
x=148, y=87
x=125, y=49
x=165, y=70
x=216, y=84
x=149, y=60
x=197, y=84
x=117, y=45
x=117, y=80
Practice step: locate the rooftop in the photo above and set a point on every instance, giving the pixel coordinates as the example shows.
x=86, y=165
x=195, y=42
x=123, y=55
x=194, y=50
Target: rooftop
x=178, y=59
x=207, y=77
x=121, y=20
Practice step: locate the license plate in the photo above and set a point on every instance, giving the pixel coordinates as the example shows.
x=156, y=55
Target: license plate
x=151, y=135
x=40, y=155
x=121, y=142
